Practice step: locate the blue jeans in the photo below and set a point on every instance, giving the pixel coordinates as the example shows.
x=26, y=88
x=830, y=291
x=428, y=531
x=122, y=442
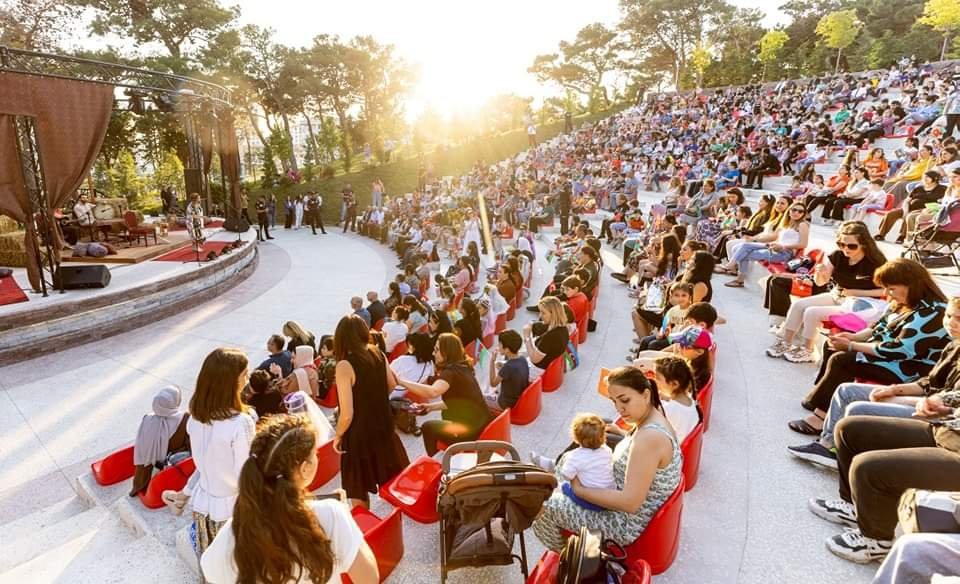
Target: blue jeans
x=377, y=199
x=751, y=251
x=853, y=399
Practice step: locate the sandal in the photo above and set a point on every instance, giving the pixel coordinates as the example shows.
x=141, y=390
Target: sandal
x=807, y=406
x=733, y=284
x=804, y=427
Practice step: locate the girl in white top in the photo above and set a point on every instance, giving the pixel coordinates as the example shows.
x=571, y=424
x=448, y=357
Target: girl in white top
x=675, y=384
x=417, y=364
x=276, y=534
x=220, y=430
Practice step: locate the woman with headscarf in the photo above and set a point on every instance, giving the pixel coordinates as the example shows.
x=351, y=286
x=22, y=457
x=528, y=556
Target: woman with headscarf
x=304, y=376
x=161, y=433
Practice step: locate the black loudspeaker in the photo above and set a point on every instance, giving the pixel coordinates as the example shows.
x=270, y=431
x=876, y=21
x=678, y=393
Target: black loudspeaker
x=79, y=277
x=236, y=224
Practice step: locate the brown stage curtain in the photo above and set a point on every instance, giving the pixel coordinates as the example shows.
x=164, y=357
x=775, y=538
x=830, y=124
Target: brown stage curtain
x=229, y=151
x=71, y=122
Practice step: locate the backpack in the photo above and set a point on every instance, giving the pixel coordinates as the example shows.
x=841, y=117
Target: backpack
x=587, y=559
x=404, y=419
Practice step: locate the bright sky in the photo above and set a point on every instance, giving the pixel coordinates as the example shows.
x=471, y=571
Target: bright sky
x=466, y=51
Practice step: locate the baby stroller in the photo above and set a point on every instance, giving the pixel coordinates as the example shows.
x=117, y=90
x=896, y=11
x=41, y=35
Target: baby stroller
x=483, y=508
x=936, y=245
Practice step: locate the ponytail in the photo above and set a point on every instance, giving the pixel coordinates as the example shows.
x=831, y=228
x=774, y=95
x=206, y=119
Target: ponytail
x=277, y=535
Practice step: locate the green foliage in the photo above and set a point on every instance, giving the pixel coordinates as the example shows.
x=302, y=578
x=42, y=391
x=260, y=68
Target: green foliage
x=771, y=44
x=36, y=26
x=583, y=64
x=169, y=173
x=942, y=16
x=838, y=30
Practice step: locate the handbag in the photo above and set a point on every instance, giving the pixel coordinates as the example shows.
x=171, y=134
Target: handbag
x=801, y=286
x=403, y=417
x=589, y=559
x=922, y=511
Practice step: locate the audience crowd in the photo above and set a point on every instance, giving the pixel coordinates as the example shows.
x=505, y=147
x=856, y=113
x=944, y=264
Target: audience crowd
x=883, y=407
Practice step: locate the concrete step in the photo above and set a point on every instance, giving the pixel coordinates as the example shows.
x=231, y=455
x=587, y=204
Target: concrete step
x=105, y=554
x=29, y=524
x=74, y=530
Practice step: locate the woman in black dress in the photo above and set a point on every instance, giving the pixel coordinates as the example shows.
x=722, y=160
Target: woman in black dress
x=468, y=328
x=372, y=453
x=464, y=411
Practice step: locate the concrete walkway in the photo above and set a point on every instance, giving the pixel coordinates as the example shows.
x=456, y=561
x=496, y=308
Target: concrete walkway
x=745, y=522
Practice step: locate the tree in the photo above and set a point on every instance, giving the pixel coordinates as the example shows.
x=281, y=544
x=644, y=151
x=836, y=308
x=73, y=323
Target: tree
x=36, y=25
x=125, y=181
x=942, y=16
x=168, y=173
x=671, y=27
x=183, y=28
x=583, y=64
x=733, y=44
x=700, y=59
x=334, y=76
x=770, y=46
x=838, y=30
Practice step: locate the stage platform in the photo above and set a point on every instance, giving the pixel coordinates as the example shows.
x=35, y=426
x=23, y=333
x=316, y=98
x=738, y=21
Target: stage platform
x=139, y=293
x=136, y=254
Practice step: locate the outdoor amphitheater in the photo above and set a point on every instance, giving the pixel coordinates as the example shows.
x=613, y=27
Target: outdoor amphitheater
x=659, y=292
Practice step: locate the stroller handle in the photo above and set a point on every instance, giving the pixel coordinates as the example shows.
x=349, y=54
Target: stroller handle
x=484, y=449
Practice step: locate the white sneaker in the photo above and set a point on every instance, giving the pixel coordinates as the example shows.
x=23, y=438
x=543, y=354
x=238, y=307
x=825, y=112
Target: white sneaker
x=834, y=510
x=543, y=462
x=854, y=546
x=778, y=349
x=799, y=355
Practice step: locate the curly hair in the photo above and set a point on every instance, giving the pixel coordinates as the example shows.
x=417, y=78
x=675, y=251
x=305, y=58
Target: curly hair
x=277, y=535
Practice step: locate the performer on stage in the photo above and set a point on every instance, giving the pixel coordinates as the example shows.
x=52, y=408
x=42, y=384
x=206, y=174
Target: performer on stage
x=83, y=211
x=194, y=218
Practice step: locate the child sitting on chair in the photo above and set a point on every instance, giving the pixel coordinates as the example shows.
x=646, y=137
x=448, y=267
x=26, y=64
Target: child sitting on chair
x=592, y=462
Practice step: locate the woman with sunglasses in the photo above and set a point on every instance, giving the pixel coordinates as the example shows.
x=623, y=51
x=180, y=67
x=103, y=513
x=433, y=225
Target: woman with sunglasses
x=790, y=237
x=845, y=273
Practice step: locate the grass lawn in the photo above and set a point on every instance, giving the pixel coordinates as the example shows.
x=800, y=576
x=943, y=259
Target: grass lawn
x=401, y=176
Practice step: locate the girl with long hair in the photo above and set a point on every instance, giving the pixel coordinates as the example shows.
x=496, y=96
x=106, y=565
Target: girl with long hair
x=463, y=409
x=547, y=339
x=298, y=336
x=790, y=237
x=276, y=533
x=372, y=453
x=677, y=388
x=468, y=328
x=767, y=232
x=221, y=428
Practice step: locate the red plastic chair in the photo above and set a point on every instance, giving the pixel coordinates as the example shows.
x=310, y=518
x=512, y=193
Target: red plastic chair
x=414, y=490
x=332, y=400
x=593, y=299
x=498, y=429
x=328, y=465
x=705, y=399
x=172, y=478
x=582, y=330
x=511, y=312
x=114, y=468
x=501, y=324
x=456, y=299
x=691, y=448
x=379, y=324
x=471, y=350
x=602, y=382
x=658, y=543
x=553, y=377
x=398, y=350
x=547, y=568
x=489, y=340
x=528, y=406
x=384, y=536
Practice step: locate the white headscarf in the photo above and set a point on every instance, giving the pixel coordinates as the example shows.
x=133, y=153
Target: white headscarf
x=302, y=356
x=153, y=437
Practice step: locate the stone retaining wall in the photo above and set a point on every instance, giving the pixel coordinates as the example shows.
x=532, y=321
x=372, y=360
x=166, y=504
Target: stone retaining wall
x=65, y=325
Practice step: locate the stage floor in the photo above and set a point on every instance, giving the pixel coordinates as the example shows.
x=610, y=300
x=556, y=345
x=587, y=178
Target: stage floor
x=124, y=275
x=138, y=253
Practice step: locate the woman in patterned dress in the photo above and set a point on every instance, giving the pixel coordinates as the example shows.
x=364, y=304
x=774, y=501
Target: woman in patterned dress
x=647, y=467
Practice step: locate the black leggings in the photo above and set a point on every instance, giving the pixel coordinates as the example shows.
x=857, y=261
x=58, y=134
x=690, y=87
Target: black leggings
x=446, y=431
